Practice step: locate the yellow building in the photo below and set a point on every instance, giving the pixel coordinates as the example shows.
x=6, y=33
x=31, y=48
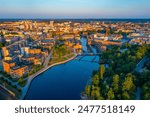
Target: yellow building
x=28, y=59
x=34, y=51
x=68, y=36
x=7, y=66
x=7, y=58
x=18, y=71
x=89, y=42
x=5, y=51
x=68, y=43
x=78, y=46
x=39, y=59
x=26, y=49
x=45, y=53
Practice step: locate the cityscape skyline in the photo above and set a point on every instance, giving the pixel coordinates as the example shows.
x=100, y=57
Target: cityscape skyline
x=74, y=9
x=75, y=59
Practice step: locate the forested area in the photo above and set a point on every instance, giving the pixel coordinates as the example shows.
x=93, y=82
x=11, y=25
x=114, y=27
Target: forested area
x=118, y=78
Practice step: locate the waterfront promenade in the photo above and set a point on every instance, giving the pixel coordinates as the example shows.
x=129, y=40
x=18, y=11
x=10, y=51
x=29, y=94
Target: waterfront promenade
x=30, y=78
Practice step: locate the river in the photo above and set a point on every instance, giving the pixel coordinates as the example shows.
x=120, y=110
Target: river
x=65, y=81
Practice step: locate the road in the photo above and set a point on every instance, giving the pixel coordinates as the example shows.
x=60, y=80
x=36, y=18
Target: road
x=5, y=95
x=47, y=59
x=139, y=68
x=140, y=65
x=15, y=43
x=138, y=93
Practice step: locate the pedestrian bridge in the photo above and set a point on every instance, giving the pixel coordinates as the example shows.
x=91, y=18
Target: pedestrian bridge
x=81, y=58
x=88, y=54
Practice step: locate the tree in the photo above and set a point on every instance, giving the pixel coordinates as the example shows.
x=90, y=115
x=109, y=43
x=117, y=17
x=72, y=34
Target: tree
x=145, y=76
x=109, y=71
x=1, y=45
x=118, y=49
x=88, y=90
x=95, y=80
x=128, y=84
x=101, y=72
x=115, y=83
x=128, y=87
x=22, y=82
x=138, y=55
x=125, y=95
x=105, y=88
x=145, y=91
x=95, y=93
x=111, y=94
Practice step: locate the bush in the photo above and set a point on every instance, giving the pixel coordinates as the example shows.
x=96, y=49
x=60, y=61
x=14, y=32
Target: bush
x=22, y=82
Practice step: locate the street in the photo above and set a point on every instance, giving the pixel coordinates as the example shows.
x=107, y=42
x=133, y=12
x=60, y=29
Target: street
x=4, y=95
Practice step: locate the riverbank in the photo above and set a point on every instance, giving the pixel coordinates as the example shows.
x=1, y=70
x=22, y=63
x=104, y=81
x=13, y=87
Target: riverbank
x=32, y=77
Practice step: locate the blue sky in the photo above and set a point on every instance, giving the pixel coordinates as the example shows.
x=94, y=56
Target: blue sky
x=74, y=8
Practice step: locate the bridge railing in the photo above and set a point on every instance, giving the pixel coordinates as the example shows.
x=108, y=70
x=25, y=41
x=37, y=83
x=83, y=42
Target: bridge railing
x=86, y=54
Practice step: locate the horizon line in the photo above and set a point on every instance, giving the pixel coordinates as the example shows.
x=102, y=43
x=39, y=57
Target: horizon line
x=75, y=18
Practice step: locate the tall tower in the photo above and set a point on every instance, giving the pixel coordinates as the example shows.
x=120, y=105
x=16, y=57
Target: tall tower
x=103, y=23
